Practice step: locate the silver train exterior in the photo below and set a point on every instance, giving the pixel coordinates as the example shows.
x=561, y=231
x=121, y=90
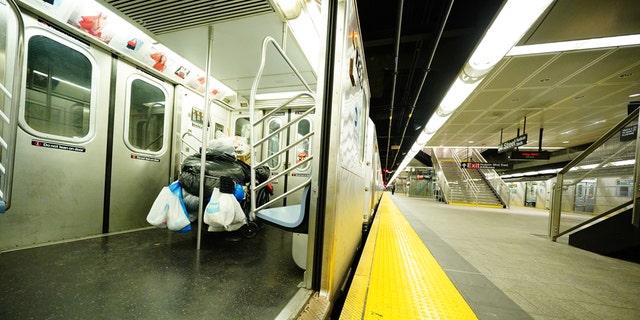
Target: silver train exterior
x=102, y=127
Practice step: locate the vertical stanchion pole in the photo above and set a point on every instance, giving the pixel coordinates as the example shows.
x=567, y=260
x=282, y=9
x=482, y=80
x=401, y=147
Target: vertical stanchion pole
x=556, y=204
x=205, y=129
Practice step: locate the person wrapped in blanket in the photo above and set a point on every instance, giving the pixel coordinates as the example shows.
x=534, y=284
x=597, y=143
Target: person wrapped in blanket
x=220, y=161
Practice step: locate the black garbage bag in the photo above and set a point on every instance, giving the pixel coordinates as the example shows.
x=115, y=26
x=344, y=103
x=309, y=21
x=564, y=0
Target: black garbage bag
x=262, y=173
x=216, y=165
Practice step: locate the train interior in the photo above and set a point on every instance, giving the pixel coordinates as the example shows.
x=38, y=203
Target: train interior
x=111, y=116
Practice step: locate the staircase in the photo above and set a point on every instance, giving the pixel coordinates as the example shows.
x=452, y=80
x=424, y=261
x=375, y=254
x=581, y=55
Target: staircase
x=465, y=186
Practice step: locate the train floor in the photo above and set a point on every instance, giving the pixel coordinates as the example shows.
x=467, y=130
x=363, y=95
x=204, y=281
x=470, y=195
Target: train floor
x=151, y=274
x=427, y=260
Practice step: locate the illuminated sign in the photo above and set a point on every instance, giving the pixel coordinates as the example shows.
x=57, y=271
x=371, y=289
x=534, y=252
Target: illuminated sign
x=485, y=165
x=513, y=143
x=530, y=155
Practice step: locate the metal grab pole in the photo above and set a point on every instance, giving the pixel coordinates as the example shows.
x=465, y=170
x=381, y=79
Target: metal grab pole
x=556, y=208
x=205, y=126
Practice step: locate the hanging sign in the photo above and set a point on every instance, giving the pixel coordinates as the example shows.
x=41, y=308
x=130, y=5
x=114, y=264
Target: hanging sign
x=513, y=143
x=530, y=155
x=629, y=133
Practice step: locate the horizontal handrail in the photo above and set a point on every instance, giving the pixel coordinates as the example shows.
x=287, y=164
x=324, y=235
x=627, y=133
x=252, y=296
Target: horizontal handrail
x=282, y=196
x=297, y=142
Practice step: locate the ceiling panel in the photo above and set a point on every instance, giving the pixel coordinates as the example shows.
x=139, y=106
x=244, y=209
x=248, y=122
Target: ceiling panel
x=516, y=70
x=584, y=19
x=612, y=64
x=563, y=66
x=484, y=99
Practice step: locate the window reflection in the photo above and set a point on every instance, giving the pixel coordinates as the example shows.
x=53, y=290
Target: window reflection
x=146, y=116
x=58, y=95
x=302, y=149
x=274, y=144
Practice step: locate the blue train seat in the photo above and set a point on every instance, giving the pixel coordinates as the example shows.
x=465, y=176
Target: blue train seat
x=293, y=218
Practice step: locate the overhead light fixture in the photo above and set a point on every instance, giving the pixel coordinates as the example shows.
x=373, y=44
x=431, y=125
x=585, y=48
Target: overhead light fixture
x=563, y=46
x=513, y=21
x=458, y=92
x=289, y=9
x=423, y=138
x=515, y=18
x=435, y=122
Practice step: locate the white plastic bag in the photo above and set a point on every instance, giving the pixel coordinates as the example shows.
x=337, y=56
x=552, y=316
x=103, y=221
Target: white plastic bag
x=157, y=215
x=168, y=210
x=223, y=212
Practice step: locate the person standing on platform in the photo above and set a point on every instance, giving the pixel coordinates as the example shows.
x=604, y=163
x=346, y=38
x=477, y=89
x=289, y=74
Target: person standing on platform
x=393, y=189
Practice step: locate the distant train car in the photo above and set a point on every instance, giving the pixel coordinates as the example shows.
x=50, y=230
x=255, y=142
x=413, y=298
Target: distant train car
x=107, y=115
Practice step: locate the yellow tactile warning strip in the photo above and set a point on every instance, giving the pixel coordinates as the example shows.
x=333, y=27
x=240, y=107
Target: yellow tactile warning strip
x=398, y=278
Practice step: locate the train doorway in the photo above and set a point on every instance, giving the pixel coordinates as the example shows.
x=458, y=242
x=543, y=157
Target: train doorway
x=585, y=196
x=62, y=141
x=140, y=147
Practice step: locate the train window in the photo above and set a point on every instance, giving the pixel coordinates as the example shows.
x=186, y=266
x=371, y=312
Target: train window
x=146, y=116
x=243, y=129
x=303, y=148
x=274, y=144
x=58, y=95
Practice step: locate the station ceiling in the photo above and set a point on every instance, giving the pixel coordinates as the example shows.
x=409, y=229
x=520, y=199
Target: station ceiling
x=573, y=96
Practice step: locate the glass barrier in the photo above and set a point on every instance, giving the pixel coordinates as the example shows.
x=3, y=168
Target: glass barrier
x=598, y=183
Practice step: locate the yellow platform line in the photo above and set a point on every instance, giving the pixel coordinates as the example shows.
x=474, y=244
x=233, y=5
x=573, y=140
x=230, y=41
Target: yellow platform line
x=398, y=278
x=484, y=205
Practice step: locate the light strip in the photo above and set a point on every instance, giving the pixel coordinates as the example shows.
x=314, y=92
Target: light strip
x=515, y=18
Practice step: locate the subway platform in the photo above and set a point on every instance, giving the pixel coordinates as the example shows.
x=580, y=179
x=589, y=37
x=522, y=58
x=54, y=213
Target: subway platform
x=427, y=260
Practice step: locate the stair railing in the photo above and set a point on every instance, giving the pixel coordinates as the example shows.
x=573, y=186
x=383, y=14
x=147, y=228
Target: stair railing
x=442, y=179
x=494, y=180
x=467, y=179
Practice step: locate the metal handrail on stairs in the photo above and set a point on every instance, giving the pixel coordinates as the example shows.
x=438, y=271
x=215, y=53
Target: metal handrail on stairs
x=469, y=181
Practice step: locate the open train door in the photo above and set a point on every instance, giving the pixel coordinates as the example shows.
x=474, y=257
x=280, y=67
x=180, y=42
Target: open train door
x=11, y=48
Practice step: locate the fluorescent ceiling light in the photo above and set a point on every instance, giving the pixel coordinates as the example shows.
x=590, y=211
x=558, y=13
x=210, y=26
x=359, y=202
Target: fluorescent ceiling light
x=623, y=163
x=515, y=18
x=61, y=81
x=586, y=167
x=456, y=95
x=435, y=122
x=423, y=138
x=290, y=9
x=607, y=42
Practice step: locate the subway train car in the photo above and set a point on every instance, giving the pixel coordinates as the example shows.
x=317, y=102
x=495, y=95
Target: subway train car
x=99, y=116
